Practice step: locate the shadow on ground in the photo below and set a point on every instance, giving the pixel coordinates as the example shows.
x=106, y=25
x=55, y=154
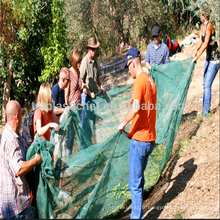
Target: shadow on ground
x=179, y=184
x=167, y=188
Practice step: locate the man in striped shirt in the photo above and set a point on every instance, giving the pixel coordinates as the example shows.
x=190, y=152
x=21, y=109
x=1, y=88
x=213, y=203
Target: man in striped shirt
x=157, y=51
x=15, y=198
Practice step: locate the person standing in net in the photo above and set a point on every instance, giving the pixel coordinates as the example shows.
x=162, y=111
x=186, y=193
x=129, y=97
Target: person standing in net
x=142, y=130
x=15, y=193
x=73, y=96
x=157, y=51
x=73, y=90
x=60, y=149
x=207, y=42
x=89, y=72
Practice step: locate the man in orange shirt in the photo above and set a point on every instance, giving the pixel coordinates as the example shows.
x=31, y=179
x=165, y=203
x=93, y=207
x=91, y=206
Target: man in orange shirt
x=142, y=130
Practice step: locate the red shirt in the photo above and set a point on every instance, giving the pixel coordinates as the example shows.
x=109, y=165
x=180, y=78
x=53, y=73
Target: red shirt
x=45, y=119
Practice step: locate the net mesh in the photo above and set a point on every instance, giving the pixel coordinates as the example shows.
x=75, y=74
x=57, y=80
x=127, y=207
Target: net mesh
x=88, y=177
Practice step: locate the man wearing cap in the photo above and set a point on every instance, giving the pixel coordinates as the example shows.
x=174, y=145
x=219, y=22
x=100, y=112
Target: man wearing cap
x=89, y=72
x=142, y=130
x=157, y=51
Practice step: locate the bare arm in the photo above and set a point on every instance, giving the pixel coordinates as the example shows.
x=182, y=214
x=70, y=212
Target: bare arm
x=200, y=47
x=131, y=113
x=67, y=91
x=86, y=90
x=100, y=84
x=148, y=65
x=199, y=44
x=28, y=165
x=43, y=130
x=99, y=81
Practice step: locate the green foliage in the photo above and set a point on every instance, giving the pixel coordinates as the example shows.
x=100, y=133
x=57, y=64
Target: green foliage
x=215, y=11
x=38, y=36
x=28, y=22
x=116, y=23
x=184, y=143
x=53, y=50
x=215, y=18
x=178, y=215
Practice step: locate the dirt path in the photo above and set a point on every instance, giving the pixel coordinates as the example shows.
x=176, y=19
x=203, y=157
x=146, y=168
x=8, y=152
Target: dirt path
x=189, y=185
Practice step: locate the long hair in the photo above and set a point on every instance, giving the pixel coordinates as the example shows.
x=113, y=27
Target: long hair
x=44, y=98
x=76, y=58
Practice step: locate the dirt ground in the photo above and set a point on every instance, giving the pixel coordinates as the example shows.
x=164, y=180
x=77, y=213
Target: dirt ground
x=189, y=185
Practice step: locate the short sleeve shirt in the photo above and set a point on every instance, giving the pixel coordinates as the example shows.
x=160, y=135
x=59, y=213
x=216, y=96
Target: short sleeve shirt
x=58, y=96
x=143, y=124
x=14, y=191
x=89, y=73
x=157, y=56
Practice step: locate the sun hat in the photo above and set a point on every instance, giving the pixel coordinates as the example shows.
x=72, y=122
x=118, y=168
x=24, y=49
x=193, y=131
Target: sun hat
x=92, y=43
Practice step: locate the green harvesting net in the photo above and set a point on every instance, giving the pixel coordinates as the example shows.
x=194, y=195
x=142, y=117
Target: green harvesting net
x=92, y=181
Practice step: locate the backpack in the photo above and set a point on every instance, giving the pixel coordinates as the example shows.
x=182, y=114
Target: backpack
x=173, y=45
x=28, y=136
x=28, y=128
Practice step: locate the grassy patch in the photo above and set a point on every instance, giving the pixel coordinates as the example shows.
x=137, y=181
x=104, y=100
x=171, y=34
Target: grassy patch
x=203, y=136
x=184, y=143
x=178, y=215
x=177, y=36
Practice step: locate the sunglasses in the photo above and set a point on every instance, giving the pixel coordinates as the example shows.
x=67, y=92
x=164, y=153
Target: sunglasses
x=130, y=63
x=93, y=49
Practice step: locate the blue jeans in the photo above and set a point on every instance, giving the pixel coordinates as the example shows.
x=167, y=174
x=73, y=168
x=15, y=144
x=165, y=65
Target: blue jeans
x=210, y=72
x=26, y=214
x=139, y=153
x=84, y=99
x=70, y=139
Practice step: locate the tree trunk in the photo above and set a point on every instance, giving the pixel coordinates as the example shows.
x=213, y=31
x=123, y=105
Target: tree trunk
x=6, y=96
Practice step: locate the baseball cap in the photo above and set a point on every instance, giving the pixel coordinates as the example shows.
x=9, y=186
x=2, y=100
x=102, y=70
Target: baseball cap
x=131, y=54
x=155, y=31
